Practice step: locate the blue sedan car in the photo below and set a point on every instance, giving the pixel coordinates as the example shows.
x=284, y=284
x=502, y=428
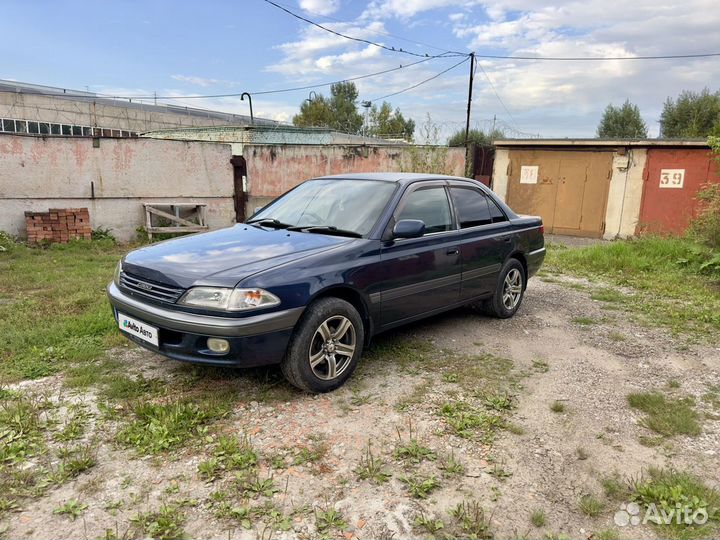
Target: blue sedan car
x=311, y=277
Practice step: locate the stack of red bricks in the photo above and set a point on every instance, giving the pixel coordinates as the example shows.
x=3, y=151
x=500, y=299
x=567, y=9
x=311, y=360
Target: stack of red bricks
x=58, y=225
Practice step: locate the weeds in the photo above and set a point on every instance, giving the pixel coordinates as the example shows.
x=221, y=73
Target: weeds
x=157, y=428
x=678, y=495
x=666, y=416
x=73, y=509
x=329, y=520
x=465, y=420
x=164, y=524
x=591, y=506
x=372, y=468
x=450, y=466
x=557, y=407
x=470, y=519
x=228, y=455
x=313, y=453
x=429, y=524
x=537, y=518
x=420, y=487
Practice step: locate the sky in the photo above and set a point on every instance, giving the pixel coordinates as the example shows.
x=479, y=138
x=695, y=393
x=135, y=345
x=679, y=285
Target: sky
x=180, y=48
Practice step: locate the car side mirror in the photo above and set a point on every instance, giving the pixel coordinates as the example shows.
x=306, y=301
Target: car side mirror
x=409, y=228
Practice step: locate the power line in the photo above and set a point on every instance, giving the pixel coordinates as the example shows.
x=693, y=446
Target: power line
x=423, y=81
x=498, y=95
x=377, y=32
x=360, y=40
x=238, y=94
x=596, y=58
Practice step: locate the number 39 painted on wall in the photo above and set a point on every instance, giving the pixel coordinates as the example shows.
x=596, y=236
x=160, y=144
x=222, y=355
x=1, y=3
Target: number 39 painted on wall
x=672, y=178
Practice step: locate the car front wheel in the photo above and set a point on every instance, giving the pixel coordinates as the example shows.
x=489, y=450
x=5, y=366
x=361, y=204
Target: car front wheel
x=509, y=291
x=325, y=347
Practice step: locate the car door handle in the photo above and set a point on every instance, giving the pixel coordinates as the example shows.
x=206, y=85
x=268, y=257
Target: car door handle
x=453, y=251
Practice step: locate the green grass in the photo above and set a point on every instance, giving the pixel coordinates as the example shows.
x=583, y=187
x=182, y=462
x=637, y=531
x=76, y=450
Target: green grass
x=372, y=467
x=73, y=509
x=53, y=308
x=667, y=416
x=229, y=454
x=591, y=506
x=537, y=518
x=466, y=421
x=557, y=407
x=673, y=289
x=420, y=487
x=670, y=490
x=156, y=428
x=164, y=524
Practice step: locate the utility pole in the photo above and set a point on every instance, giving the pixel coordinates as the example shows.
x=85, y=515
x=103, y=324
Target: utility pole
x=467, y=120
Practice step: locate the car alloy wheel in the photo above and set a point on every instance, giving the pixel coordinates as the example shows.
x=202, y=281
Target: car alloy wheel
x=332, y=347
x=512, y=289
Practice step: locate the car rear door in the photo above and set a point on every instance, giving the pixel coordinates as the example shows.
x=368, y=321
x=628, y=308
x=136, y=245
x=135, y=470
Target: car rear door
x=421, y=275
x=485, y=239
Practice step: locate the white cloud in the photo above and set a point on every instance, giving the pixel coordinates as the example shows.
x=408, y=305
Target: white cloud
x=381, y=9
x=321, y=7
x=198, y=81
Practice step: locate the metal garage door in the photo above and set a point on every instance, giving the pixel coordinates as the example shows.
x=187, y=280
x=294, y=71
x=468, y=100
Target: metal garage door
x=567, y=189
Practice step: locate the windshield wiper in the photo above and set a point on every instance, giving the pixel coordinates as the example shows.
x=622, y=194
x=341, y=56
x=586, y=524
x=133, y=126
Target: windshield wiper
x=269, y=222
x=327, y=229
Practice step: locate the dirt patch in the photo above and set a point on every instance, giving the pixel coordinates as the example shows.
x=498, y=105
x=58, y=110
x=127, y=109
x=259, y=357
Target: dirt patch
x=474, y=398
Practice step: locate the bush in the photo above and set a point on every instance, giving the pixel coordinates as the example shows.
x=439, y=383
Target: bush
x=6, y=242
x=103, y=234
x=706, y=226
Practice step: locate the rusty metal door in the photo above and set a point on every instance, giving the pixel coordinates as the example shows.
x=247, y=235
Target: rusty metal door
x=672, y=179
x=239, y=187
x=568, y=189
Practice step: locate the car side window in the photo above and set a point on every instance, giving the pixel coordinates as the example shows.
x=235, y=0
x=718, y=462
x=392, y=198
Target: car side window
x=430, y=205
x=495, y=212
x=472, y=207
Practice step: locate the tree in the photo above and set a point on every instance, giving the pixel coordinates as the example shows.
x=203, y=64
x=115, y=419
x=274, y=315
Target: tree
x=477, y=136
x=338, y=112
x=622, y=122
x=692, y=114
x=383, y=122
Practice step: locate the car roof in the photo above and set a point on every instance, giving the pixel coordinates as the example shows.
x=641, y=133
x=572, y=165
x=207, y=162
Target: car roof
x=398, y=177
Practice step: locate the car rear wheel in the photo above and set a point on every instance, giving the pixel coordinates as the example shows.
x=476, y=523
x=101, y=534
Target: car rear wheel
x=509, y=291
x=325, y=347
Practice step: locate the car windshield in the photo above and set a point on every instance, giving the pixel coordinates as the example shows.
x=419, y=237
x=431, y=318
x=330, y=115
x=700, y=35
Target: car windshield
x=345, y=205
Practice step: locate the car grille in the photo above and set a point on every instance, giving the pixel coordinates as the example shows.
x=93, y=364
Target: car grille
x=150, y=289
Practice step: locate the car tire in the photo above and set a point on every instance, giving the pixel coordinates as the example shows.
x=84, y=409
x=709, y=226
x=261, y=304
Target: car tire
x=325, y=346
x=509, y=291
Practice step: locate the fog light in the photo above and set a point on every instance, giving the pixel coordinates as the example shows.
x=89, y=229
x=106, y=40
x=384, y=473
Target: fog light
x=217, y=345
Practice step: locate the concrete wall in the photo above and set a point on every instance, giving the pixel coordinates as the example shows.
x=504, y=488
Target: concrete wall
x=272, y=170
x=102, y=113
x=38, y=173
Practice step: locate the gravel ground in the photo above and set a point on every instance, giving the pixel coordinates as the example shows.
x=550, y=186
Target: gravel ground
x=590, y=368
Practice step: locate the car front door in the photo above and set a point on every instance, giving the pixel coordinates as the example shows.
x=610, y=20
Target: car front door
x=421, y=275
x=485, y=240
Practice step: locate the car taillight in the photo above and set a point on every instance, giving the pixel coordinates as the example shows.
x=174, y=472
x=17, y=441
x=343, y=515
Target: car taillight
x=542, y=229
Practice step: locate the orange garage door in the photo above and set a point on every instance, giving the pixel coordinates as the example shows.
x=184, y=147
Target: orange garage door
x=567, y=189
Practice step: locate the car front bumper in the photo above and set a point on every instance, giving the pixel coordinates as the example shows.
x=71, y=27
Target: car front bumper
x=254, y=340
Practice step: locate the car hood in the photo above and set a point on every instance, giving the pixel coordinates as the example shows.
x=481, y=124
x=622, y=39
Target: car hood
x=224, y=257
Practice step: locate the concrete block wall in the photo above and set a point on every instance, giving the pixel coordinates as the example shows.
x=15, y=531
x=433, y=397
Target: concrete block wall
x=112, y=178
x=273, y=170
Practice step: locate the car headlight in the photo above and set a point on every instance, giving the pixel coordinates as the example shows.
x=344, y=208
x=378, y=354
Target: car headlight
x=118, y=269
x=225, y=299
